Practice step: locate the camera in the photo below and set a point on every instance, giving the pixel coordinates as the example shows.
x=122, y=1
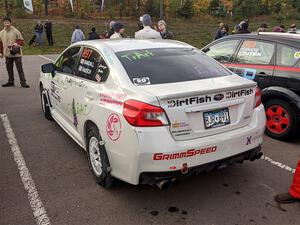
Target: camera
x=15, y=49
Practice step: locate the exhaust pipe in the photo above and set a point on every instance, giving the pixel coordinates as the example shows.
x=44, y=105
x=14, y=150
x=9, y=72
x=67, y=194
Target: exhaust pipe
x=256, y=156
x=163, y=184
x=175, y=181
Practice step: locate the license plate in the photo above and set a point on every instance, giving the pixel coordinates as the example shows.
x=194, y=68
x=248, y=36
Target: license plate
x=216, y=118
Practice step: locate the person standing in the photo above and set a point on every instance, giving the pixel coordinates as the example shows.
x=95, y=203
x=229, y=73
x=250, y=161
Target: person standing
x=222, y=32
x=77, y=35
x=294, y=193
x=38, y=29
x=147, y=32
x=119, y=30
x=263, y=28
x=293, y=29
x=11, y=41
x=164, y=33
x=48, y=29
x=93, y=34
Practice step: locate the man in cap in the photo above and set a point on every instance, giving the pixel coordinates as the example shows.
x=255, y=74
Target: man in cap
x=119, y=30
x=11, y=41
x=147, y=32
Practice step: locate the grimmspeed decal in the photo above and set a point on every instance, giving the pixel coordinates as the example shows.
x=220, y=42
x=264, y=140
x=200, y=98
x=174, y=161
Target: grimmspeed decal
x=239, y=93
x=197, y=100
x=185, y=154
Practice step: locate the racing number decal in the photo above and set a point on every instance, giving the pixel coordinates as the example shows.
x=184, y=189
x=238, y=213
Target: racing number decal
x=86, y=54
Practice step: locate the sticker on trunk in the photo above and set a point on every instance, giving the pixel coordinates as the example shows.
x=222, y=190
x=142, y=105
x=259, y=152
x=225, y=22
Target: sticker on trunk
x=141, y=81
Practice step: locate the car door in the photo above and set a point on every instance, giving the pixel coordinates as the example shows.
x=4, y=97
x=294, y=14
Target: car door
x=255, y=61
x=287, y=71
x=86, y=85
x=65, y=68
x=223, y=51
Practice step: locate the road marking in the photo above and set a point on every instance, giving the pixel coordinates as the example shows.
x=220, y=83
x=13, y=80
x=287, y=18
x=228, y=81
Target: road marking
x=279, y=164
x=44, y=57
x=36, y=204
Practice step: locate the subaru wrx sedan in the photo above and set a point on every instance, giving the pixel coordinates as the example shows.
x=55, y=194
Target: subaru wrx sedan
x=152, y=111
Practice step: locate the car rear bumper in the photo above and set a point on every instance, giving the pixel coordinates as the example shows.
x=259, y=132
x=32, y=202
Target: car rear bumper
x=156, y=151
x=154, y=177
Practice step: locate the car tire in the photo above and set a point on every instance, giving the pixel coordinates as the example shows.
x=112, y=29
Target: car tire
x=282, y=120
x=45, y=104
x=98, y=159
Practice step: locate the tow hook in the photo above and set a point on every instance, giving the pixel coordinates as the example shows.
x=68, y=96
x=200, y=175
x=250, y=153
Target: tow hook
x=184, y=169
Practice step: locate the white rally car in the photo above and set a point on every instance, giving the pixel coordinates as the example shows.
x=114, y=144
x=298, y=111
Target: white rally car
x=152, y=111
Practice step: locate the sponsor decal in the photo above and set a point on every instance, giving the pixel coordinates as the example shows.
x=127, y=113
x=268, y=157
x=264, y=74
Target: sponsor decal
x=98, y=78
x=138, y=55
x=249, y=73
x=172, y=168
x=78, y=108
x=181, y=132
x=75, y=120
x=115, y=99
x=185, y=154
x=141, y=81
x=113, y=127
x=297, y=55
x=54, y=91
x=196, y=100
x=239, y=93
x=218, y=97
x=249, y=139
x=179, y=125
x=189, y=101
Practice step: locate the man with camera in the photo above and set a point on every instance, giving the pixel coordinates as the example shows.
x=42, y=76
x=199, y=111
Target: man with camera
x=11, y=41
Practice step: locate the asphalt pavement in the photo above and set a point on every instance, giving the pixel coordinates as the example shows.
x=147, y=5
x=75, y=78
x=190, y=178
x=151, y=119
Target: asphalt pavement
x=241, y=194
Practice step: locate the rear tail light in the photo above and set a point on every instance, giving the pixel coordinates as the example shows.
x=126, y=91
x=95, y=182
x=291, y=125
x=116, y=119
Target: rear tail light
x=140, y=114
x=257, y=101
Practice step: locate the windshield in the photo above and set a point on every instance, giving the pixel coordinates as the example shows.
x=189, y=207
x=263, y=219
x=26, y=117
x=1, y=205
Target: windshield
x=158, y=66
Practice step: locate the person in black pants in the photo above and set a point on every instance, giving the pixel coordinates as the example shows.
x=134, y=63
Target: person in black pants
x=48, y=29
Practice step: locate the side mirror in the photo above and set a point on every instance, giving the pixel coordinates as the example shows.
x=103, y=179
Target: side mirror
x=49, y=68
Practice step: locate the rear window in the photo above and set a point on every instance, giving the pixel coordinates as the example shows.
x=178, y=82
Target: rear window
x=158, y=66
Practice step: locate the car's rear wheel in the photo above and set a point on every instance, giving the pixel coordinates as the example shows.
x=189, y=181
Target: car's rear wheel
x=45, y=104
x=98, y=159
x=282, y=120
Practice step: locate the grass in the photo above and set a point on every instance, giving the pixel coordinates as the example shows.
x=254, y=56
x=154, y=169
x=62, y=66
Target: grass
x=197, y=32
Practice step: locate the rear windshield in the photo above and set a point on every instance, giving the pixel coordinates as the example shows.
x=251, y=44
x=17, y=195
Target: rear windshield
x=158, y=66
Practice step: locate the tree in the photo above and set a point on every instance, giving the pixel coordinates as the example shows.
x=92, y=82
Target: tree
x=187, y=10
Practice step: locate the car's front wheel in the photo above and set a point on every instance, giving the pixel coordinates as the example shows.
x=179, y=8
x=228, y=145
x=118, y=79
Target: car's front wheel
x=98, y=159
x=282, y=120
x=45, y=104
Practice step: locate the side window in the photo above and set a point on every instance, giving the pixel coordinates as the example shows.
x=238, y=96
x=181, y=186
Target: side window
x=256, y=52
x=92, y=66
x=222, y=51
x=67, y=62
x=287, y=56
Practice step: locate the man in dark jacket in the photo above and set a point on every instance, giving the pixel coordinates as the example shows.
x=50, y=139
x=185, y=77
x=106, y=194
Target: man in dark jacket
x=243, y=27
x=93, y=35
x=222, y=31
x=48, y=29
